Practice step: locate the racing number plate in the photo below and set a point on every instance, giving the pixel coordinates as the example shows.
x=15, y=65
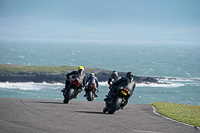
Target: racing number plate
x=123, y=92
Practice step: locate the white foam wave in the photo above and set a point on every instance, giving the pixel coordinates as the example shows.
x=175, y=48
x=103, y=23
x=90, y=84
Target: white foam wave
x=103, y=83
x=160, y=85
x=31, y=86
x=59, y=86
x=151, y=84
x=37, y=86
x=178, y=79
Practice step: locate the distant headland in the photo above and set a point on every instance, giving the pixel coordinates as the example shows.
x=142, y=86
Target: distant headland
x=55, y=74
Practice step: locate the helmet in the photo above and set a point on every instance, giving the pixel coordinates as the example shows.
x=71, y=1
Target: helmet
x=80, y=67
x=92, y=74
x=129, y=75
x=114, y=73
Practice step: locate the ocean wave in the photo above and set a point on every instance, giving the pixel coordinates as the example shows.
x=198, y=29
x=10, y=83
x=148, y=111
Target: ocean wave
x=103, y=83
x=160, y=85
x=178, y=79
x=150, y=84
x=31, y=86
x=165, y=82
x=59, y=86
x=36, y=86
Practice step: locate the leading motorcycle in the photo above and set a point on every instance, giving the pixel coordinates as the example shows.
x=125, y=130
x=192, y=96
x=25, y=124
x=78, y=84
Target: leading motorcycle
x=72, y=91
x=118, y=100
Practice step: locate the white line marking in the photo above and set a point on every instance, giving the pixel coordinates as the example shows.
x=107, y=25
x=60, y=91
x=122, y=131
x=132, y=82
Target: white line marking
x=142, y=131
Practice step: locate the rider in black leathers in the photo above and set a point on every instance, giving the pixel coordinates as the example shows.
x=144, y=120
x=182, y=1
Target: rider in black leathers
x=126, y=82
x=114, y=77
x=78, y=75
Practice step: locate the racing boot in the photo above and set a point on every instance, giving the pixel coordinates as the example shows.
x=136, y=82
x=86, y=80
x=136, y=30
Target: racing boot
x=109, y=96
x=105, y=109
x=95, y=93
x=79, y=90
x=63, y=90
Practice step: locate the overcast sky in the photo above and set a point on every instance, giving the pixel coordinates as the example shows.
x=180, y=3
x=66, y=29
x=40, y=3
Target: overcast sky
x=159, y=21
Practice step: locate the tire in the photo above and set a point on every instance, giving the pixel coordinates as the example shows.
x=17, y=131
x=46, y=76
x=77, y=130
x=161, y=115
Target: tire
x=115, y=106
x=68, y=95
x=90, y=96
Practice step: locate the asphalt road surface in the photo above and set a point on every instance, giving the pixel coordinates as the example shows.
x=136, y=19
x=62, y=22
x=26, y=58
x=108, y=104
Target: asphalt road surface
x=52, y=116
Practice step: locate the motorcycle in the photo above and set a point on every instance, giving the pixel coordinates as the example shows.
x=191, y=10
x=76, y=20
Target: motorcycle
x=90, y=92
x=72, y=91
x=118, y=101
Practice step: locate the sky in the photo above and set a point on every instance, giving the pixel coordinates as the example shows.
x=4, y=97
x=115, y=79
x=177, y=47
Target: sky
x=132, y=21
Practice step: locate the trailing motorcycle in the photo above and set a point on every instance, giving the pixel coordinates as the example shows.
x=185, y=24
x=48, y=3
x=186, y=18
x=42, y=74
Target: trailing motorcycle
x=90, y=92
x=118, y=101
x=72, y=91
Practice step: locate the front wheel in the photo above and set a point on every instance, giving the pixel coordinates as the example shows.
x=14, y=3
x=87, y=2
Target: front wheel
x=115, y=106
x=90, y=96
x=68, y=95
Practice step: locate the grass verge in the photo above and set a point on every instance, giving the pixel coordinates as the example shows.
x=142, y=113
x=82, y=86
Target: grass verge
x=189, y=114
x=20, y=68
x=56, y=69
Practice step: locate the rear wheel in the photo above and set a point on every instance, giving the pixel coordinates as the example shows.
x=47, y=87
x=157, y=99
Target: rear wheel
x=68, y=95
x=115, y=106
x=90, y=96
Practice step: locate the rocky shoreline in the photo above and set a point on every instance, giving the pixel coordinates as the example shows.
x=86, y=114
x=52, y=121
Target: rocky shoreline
x=52, y=77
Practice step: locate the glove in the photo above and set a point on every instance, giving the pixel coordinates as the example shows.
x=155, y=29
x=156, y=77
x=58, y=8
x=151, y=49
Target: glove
x=67, y=76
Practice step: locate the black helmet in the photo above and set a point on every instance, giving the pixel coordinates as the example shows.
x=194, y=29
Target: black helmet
x=129, y=75
x=114, y=73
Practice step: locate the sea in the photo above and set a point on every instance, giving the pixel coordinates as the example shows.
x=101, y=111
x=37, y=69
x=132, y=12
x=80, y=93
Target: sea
x=177, y=63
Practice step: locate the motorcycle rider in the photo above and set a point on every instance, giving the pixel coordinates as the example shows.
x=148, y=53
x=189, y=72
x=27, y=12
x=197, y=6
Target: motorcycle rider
x=114, y=77
x=92, y=79
x=126, y=82
x=78, y=75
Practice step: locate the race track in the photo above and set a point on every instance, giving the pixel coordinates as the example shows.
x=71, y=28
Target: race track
x=52, y=116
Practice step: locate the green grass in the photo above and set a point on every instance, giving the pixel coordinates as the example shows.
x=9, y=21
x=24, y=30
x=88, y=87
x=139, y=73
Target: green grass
x=56, y=69
x=189, y=114
x=20, y=68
